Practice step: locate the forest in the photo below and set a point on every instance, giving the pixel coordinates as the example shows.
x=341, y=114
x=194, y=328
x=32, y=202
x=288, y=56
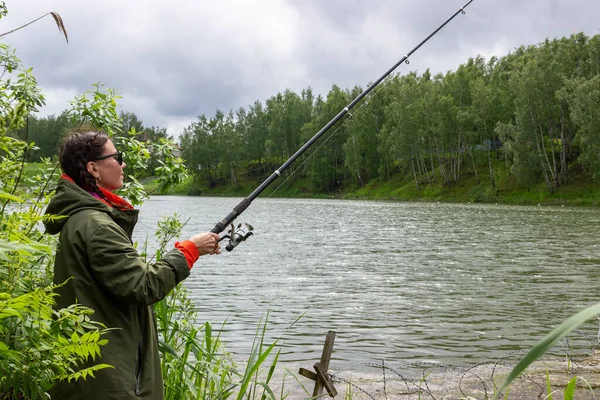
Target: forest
x=534, y=112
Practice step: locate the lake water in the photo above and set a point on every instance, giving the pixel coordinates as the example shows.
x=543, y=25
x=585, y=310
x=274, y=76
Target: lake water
x=397, y=281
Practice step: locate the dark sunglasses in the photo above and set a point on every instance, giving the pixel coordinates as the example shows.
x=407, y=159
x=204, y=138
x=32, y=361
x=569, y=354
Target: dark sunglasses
x=118, y=156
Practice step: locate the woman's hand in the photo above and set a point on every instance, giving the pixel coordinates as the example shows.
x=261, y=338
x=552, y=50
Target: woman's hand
x=206, y=243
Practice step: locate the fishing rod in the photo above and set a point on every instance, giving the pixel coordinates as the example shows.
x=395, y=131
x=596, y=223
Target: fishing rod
x=244, y=231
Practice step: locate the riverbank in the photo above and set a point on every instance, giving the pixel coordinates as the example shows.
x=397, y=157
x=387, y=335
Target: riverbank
x=581, y=189
x=545, y=379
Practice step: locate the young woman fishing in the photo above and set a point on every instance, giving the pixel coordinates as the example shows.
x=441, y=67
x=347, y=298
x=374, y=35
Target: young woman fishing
x=103, y=271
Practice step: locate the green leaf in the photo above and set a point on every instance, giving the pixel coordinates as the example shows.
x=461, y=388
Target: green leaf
x=548, y=385
x=570, y=389
x=549, y=341
x=8, y=196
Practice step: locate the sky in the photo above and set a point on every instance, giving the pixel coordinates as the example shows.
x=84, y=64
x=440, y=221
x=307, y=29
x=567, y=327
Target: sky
x=175, y=60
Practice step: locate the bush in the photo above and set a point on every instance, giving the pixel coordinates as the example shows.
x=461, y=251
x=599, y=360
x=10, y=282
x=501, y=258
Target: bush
x=38, y=345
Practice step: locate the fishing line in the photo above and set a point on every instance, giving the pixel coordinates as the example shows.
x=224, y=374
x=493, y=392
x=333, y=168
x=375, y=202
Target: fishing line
x=245, y=231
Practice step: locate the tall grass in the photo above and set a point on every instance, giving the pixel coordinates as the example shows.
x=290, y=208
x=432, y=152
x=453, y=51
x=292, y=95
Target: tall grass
x=195, y=364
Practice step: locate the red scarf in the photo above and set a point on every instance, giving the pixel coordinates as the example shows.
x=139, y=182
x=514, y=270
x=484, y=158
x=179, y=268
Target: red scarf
x=110, y=199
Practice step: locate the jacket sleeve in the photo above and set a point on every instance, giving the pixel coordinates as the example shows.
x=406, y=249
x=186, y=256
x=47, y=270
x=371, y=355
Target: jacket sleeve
x=119, y=268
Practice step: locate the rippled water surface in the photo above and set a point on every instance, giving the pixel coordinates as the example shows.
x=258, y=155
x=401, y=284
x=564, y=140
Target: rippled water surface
x=400, y=282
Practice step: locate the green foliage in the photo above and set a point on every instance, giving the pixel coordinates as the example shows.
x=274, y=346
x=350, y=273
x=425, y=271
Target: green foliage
x=129, y=122
x=583, y=97
x=38, y=345
x=96, y=108
x=539, y=101
x=45, y=133
x=199, y=150
x=482, y=194
x=570, y=389
x=256, y=123
x=194, y=363
x=326, y=167
x=548, y=342
x=17, y=90
x=364, y=134
x=433, y=128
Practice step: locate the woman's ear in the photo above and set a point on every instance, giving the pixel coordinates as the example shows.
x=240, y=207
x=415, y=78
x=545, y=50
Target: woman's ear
x=91, y=168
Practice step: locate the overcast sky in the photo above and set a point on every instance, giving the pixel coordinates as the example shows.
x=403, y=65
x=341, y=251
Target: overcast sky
x=174, y=60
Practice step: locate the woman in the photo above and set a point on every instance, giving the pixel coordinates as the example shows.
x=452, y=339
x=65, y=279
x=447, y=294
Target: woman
x=107, y=274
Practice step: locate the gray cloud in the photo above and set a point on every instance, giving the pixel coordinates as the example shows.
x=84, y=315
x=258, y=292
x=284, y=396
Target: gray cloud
x=175, y=60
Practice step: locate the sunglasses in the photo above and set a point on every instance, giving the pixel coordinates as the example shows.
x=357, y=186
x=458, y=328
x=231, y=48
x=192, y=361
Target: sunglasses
x=118, y=156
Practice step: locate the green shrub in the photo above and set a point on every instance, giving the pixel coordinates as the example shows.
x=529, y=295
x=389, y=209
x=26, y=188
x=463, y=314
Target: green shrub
x=38, y=345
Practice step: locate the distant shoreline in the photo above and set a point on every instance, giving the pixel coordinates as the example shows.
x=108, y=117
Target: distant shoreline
x=581, y=190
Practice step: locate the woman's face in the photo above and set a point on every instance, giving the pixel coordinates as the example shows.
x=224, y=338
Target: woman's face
x=107, y=171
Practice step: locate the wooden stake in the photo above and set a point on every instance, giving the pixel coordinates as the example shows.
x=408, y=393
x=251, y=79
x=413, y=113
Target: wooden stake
x=321, y=378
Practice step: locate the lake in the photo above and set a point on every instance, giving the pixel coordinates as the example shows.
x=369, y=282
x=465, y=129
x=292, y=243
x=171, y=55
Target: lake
x=398, y=281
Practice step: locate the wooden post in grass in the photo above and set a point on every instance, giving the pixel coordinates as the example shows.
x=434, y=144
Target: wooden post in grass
x=320, y=376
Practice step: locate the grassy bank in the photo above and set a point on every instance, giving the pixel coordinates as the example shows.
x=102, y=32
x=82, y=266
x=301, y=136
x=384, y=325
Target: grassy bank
x=581, y=190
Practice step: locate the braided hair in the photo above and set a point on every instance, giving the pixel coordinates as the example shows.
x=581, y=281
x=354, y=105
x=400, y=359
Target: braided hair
x=78, y=148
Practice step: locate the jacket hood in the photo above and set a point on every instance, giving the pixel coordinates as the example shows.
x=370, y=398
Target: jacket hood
x=70, y=199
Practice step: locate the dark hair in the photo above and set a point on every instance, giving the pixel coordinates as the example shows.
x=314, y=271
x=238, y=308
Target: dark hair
x=77, y=150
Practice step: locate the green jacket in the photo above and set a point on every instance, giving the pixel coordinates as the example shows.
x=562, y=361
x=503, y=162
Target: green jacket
x=96, y=250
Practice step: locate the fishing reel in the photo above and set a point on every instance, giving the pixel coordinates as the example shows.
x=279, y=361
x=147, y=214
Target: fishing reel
x=237, y=235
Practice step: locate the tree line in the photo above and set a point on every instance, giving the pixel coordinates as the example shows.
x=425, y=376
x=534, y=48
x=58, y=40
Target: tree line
x=536, y=108
x=539, y=103
x=46, y=133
